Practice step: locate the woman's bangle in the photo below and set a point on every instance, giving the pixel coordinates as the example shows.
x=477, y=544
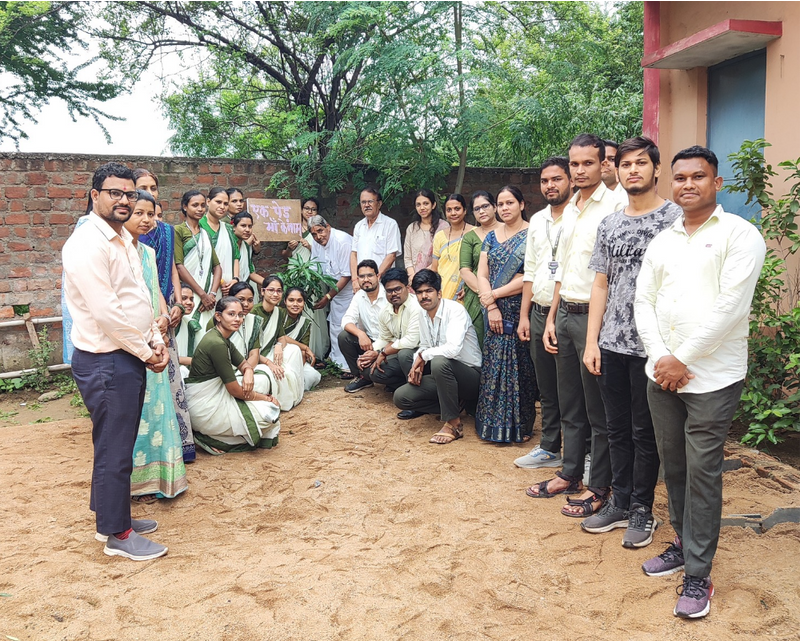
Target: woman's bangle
x=179, y=306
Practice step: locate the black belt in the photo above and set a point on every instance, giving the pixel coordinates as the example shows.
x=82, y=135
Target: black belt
x=544, y=311
x=575, y=308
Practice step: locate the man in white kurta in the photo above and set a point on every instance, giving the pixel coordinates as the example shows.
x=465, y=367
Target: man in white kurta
x=332, y=249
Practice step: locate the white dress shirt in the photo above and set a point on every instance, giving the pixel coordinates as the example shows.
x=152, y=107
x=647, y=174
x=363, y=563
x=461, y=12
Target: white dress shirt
x=693, y=298
x=401, y=329
x=106, y=293
x=580, y=229
x=450, y=334
x=378, y=241
x=363, y=313
x=545, y=236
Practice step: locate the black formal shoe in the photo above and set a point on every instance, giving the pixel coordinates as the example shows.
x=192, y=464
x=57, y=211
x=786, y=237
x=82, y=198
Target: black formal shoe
x=406, y=415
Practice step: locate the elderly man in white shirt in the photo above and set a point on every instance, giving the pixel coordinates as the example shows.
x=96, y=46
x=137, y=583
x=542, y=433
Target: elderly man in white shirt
x=360, y=326
x=376, y=237
x=446, y=373
x=332, y=249
x=545, y=235
x=398, y=337
x=692, y=308
x=582, y=412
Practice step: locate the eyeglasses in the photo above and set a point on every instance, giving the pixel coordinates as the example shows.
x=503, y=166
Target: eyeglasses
x=394, y=290
x=270, y=290
x=314, y=209
x=481, y=208
x=367, y=203
x=116, y=194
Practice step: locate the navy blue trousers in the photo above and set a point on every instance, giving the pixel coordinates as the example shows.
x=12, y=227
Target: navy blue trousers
x=112, y=386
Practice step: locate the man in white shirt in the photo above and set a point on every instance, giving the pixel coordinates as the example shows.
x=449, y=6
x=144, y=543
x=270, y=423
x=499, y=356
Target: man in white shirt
x=446, y=373
x=376, y=237
x=115, y=340
x=610, y=173
x=615, y=354
x=583, y=416
x=360, y=326
x=332, y=249
x=398, y=337
x=692, y=308
x=545, y=235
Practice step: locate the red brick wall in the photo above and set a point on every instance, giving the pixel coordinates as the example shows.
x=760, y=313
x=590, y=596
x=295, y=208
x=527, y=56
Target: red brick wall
x=41, y=196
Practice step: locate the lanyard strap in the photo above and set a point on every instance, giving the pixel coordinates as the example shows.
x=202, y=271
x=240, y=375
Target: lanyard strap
x=553, y=248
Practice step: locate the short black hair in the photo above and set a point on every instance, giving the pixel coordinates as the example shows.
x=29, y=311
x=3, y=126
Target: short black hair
x=426, y=277
x=374, y=191
x=400, y=275
x=611, y=143
x=557, y=161
x=636, y=144
x=240, y=217
x=239, y=286
x=698, y=152
x=367, y=262
x=108, y=170
x=590, y=140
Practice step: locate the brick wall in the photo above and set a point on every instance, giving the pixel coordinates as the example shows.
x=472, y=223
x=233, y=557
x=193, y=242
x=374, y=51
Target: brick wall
x=41, y=196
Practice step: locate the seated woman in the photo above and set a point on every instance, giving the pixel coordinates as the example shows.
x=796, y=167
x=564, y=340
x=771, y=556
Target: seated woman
x=187, y=336
x=297, y=331
x=229, y=414
x=247, y=339
x=158, y=468
x=283, y=361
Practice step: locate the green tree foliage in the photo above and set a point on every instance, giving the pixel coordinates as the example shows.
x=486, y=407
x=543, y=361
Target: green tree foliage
x=771, y=397
x=334, y=87
x=34, y=39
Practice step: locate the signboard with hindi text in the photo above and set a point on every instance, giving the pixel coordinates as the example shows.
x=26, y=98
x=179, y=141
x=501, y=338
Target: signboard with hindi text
x=275, y=220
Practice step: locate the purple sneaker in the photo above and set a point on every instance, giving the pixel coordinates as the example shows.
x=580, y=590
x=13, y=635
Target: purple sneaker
x=668, y=562
x=695, y=597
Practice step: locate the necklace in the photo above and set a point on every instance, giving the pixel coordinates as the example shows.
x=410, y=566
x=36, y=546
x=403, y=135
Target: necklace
x=449, y=241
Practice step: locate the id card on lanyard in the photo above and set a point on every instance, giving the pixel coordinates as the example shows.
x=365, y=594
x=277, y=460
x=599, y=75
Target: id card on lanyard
x=553, y=264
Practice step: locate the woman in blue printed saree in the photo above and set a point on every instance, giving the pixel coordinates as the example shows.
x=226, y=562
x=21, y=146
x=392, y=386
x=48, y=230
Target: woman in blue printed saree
x=158, y=467
x=506, y=407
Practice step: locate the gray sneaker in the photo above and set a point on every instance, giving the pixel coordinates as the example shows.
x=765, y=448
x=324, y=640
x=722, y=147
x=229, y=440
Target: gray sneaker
x=140, y=526
x=538, y=457
x=135, y=547
x=641, y=525
x=695, y=597
x=668, y=562
x=609, y=517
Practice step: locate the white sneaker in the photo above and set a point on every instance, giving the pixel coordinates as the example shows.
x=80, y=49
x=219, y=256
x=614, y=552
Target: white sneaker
x=538, y=457
x=587, y=469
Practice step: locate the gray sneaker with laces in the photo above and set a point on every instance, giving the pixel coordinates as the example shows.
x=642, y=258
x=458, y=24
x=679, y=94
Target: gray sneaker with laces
x=695, y=597
x=641, y=525
x=668, y=562
x=609, y=517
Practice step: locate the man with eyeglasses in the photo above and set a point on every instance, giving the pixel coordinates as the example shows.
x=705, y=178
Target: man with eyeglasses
x=115, y=339
x=398, y=335
x=376, y=237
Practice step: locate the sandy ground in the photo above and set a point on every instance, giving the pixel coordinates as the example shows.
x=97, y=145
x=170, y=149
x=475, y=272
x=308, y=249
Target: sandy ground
x=356, y=528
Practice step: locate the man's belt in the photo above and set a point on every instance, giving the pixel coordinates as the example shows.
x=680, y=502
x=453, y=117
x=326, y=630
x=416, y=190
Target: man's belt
x=544, y=311
x=575, y=308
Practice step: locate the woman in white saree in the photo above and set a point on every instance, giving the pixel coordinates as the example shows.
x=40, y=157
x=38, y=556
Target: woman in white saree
x=283, y=362
x=298, y=330
x=226, y=245
x=243, y=230
x=229, y=413
x=196, y=260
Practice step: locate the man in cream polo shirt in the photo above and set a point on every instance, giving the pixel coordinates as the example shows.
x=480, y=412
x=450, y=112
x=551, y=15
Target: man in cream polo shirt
x=582, y=411
x=545, y=235
x=692, y=309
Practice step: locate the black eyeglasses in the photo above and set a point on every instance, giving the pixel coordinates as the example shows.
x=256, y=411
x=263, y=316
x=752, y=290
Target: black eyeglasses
x=479, y=208
x=116, y=194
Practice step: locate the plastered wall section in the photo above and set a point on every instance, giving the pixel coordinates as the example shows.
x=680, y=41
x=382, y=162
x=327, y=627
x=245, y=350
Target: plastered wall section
x=42, y=195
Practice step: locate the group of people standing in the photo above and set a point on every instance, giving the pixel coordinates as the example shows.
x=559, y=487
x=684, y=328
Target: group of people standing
x=624, y=313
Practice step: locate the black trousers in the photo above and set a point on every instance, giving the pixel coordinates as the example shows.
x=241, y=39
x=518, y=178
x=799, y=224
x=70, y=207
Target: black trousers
x=112, y=386
x=395, y=369
x=351, y=350
x=544, y=364
x=631, y=439
x=446, y=383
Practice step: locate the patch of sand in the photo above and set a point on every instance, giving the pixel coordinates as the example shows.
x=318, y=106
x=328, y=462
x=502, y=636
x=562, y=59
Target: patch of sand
x=356, y=528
